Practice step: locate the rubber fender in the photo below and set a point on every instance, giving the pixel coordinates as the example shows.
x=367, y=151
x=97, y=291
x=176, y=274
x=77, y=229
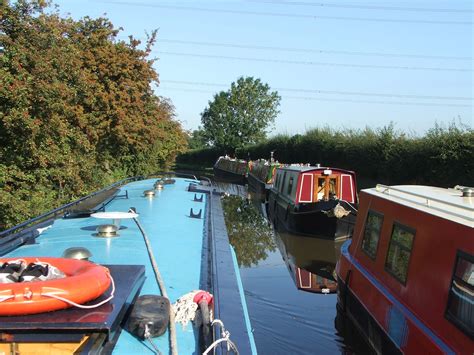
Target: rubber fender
x=152, y=312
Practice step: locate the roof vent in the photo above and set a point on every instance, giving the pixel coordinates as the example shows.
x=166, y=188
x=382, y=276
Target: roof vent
x=107, y=230
x=79, y=253
x=318, y=165
x=159, y=185
x=149, y=193
x=468, y=192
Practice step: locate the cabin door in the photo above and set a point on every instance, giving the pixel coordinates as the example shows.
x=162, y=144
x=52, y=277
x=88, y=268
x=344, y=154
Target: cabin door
x=326, y=187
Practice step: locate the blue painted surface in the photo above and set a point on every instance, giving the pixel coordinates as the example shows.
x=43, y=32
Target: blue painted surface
x=253, y=347
x=397, y=327
x=176, y=241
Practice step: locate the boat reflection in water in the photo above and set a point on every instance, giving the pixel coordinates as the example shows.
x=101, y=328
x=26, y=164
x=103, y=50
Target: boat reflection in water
x=311, y=261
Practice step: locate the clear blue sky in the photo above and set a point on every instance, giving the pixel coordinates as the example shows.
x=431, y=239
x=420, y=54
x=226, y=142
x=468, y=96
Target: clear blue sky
x=338, y=63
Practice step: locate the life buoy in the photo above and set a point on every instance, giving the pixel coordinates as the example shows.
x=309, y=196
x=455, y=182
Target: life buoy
x=84, y=281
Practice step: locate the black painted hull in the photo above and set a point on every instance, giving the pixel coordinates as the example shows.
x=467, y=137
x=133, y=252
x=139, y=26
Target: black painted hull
x=309, y=220
x=227, y=176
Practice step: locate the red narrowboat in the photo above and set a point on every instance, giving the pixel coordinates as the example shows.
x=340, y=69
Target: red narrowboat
x=313, y=201
x=406, y=279
x=231, y=170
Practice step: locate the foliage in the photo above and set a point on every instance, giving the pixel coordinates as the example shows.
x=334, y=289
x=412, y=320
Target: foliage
x=76, y=108
x=249, y=232
x=443, y=157
x=240, y=116
x=197, y=139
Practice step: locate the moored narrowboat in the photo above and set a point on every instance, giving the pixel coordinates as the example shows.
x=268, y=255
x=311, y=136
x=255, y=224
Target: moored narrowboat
x=231, y=170
x=314, y=201
x=261, y=177
x=406, y=279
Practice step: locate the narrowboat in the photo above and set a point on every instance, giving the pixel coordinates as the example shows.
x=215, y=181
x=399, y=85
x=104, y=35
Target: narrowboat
x=135, y=268
x=314, y=201
x=310, y=261
x=231, y=170
x=260, y=177
x=406, y=279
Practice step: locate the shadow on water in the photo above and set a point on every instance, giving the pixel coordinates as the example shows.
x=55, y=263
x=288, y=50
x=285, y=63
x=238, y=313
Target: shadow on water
x=278, y=270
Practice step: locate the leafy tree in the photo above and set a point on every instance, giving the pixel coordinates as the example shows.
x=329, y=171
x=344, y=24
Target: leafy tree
x=241, y=115
x=76, y=109
x=197, y=139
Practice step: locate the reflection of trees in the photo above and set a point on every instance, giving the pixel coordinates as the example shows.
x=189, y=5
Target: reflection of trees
x=248, y=231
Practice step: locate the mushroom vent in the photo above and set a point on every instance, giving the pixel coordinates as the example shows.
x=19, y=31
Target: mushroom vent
x=468, y=192
x=107, y=230
x=79, y=253
x=159, y=185
x=149, y=193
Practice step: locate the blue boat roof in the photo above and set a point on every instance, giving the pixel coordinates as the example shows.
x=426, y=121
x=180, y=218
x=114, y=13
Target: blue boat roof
x=176, y=239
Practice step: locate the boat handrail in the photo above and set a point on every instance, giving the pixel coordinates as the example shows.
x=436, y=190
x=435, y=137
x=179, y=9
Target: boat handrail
x=427, y=201
x=61, y=209
x=55, y=212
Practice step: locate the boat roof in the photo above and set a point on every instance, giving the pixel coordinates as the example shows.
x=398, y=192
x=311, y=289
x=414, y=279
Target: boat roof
x=177, y=242
x=302, y=168
x=446, y=203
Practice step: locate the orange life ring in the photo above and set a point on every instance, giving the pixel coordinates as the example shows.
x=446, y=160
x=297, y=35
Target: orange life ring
x=84, y=282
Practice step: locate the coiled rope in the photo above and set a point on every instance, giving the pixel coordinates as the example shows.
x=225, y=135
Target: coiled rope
x=161, y=284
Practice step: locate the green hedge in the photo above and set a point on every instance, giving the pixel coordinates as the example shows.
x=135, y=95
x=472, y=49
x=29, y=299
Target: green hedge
x=442, y=157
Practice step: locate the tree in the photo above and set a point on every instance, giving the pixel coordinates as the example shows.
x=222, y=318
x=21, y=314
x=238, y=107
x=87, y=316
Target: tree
x=241, y=115
x=197, y=139
x=77, y=109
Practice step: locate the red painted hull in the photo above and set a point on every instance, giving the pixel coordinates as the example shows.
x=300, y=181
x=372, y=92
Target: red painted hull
x=405, y=317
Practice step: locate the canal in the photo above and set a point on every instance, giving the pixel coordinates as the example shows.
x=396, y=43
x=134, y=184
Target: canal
x=288, y=282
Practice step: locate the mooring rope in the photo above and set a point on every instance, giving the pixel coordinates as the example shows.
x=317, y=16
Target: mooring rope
x=225, y=337
x=161, y=284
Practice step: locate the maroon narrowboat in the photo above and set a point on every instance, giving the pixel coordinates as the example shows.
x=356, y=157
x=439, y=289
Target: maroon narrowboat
x=313, y=201
x=406, y=279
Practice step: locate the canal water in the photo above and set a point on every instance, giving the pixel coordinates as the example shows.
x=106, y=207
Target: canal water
x=280, y=274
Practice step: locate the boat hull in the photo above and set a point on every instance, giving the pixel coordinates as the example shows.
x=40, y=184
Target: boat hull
x=228, y=176
x=313, y=220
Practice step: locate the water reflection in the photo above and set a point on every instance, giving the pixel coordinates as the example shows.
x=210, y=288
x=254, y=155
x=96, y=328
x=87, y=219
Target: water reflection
x=311, y=261
x=249, y=233
x=285, y=318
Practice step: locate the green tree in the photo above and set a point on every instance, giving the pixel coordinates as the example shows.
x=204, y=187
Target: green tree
x=197, y=139
x=77, y=109
x=241, y=115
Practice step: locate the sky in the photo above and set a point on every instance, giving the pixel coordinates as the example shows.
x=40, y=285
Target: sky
x=344, y=64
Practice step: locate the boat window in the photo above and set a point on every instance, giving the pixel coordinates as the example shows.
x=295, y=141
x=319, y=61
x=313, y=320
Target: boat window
x=276, y=180
x=399, y=251
x=373, y=227
x=460, y=308
x=290, y=186
x=322, y=184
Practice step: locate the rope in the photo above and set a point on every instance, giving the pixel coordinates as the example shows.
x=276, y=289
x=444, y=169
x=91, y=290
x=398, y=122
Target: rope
x=225, y=337
x=148, y=337
x=80, y=305
x=161, y=284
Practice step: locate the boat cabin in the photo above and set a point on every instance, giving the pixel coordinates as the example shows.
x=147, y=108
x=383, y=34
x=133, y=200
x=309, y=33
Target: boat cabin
x=309, y=184
x=407, y=277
